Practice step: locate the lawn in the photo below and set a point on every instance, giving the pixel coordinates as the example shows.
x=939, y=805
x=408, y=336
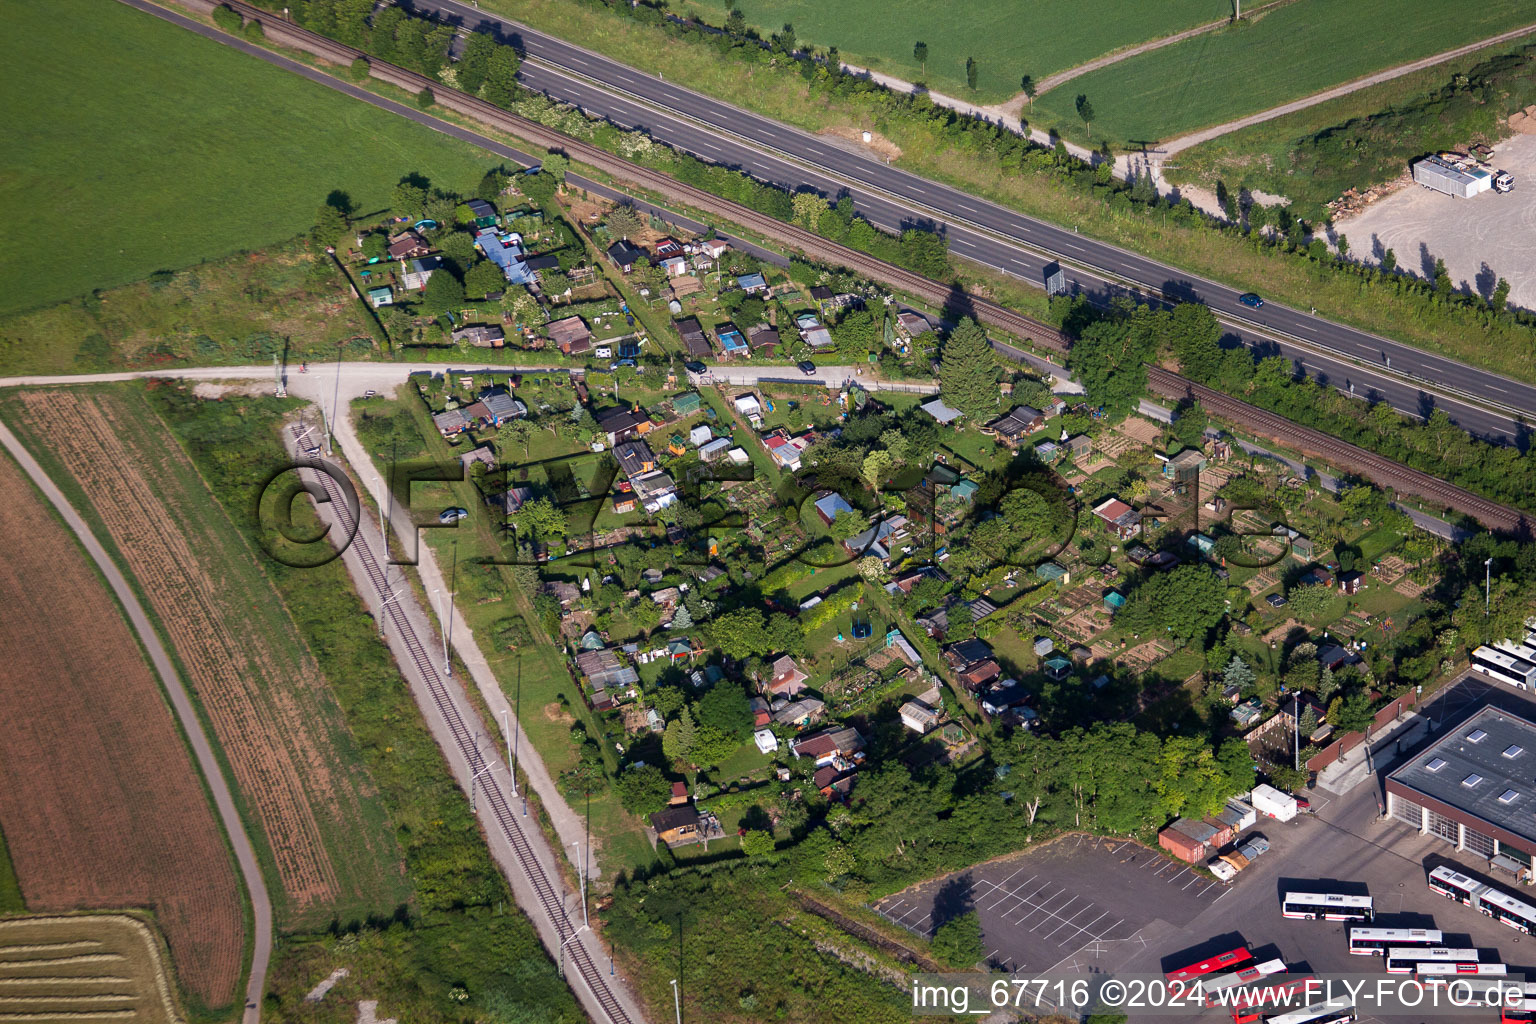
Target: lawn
x=147, y=147
x=1287, y=53
x=1007, y=40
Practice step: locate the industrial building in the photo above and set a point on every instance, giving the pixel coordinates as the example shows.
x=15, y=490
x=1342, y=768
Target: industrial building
x=1461, y=180
x=1475, y=788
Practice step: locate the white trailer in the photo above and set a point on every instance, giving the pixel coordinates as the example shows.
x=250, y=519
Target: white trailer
x=1272, y=803
x=1462, y=180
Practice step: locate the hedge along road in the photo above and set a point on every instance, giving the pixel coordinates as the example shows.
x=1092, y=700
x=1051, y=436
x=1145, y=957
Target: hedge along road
x=245, y=855
x=1336, y=354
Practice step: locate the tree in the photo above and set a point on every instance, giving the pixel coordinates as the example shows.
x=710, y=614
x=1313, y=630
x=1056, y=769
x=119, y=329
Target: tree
x=410, y=195
x=539, y=518
x=677, y=742
x=1085, y=111
x=876, y=465
x=359, y=69
x=872, y=569
x=756, y=842
x=330, y=224
x=539, y=188
x=920, y=54
x=501, y=76
x=968, y=372
x=740, y=633
x=484, y=278
x=1442, y=279
x=724, y=707
x=443, y=293
x=1350, y=714
x=1109, y=358
x=957, y=942
x=624, y=221
x=424, y=99
x=475, y=62
x=555, y=165
x=808, y=208
x=1389, y=261
x=1238, y=674
x=736, y=23
x=970, y=73
x=1184, y=604
x=1027, y=513
x=227, y=18
x=1027, y=83
x=643, y=789
x=848, y=523
x=375, y=245
x=1500, y=295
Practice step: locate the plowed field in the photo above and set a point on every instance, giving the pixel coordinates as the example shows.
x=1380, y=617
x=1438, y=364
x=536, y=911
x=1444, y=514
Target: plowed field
x=99, y=799
x=295, y=764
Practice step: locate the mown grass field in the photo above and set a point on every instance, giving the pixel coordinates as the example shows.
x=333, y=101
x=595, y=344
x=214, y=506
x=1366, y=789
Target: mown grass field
x=141, y=146
x=1008, y=40
x=83, y=967
x=314, y=811
x=1287, y=53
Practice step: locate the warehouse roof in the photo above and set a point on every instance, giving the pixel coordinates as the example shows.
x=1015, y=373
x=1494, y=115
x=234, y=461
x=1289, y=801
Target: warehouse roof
x=1484, y=768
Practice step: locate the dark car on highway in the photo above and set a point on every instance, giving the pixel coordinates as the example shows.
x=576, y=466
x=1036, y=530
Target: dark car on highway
x=1251, y=300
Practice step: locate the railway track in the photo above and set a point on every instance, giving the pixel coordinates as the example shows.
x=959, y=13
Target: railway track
x=938, y=294
x=549, y=894
x=1352, y=458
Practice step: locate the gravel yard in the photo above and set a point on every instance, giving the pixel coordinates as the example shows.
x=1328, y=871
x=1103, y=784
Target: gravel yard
x=1481, y=239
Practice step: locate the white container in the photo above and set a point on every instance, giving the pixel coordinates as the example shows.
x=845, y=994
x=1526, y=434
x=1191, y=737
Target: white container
x=1272, y=803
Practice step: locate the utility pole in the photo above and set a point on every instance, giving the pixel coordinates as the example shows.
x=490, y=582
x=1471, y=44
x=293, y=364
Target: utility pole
x=517, y=710
x=1487, y=585
x=1296, y=727
x=506, y=725
x=442, y=625
x=483, y=771
x=383, y=608
x=581, y=866
x=335, y=401
x=453, y=580
x=677, y=1001
x=277, y=379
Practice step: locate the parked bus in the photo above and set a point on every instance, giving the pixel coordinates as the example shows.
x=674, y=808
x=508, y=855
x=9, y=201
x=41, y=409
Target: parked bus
x=1452, y=884
x=1485, y=899
x=1230, y=960
x=1376, y=941
x=1407, y=961
x=1244, y=975
x=1503, y=666
x=1253, y=1006
x=1335, y=1011
x=1328, y=906
x=1506, y=909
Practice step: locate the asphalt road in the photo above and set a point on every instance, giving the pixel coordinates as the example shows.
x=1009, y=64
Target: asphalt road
x=893, y=198
x=186, y=714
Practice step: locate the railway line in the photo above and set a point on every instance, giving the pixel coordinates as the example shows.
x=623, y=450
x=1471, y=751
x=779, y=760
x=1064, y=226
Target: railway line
x=1352, y=458
x=549, y=893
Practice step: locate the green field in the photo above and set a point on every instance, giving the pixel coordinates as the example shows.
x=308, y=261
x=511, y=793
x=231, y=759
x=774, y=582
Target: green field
x=1265, y=155
x=140, y=146
x=1008, y=40
x=1288, y=53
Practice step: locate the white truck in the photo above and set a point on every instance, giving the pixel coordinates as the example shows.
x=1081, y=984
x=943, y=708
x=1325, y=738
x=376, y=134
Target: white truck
x=1272, y=803
x=1227, y=865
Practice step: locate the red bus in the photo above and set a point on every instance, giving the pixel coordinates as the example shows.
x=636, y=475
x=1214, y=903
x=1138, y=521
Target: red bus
x=1228, y=961
x=1265, y=1000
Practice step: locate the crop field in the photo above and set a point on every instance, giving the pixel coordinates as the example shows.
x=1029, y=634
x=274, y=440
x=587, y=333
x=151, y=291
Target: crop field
x=322, y=830
x=1287, y=53
x=84, y=967
x=1008, y=40
x=101, y=804
x=142, y=147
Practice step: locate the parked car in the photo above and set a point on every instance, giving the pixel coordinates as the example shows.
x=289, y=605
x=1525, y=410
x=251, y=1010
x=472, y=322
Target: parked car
x=1251, y=300
x=807, y=367
x=452, y=515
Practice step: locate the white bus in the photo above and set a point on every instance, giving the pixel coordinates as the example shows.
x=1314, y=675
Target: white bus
x=1334, y=1011
x=1452, y=884
x=1407, y=961
x=1327, y=906
x=1506, y=909
x=1442, y=971
x=1485, y=899
x=1503, y=666
x=1376, y=941
x=1253, y=972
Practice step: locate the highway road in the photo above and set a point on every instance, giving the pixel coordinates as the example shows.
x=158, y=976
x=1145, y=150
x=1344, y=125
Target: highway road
x=980, y=230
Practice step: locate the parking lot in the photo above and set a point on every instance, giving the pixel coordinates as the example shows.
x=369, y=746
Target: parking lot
x=1038, y=909
x=1481, y=239
x=1081, y=905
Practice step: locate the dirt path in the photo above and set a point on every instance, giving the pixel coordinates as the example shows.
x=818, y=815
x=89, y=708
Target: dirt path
x=245, y=854
x=1184, y=142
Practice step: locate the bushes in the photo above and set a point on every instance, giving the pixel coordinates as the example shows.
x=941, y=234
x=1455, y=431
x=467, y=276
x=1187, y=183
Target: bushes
x=228, y=19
